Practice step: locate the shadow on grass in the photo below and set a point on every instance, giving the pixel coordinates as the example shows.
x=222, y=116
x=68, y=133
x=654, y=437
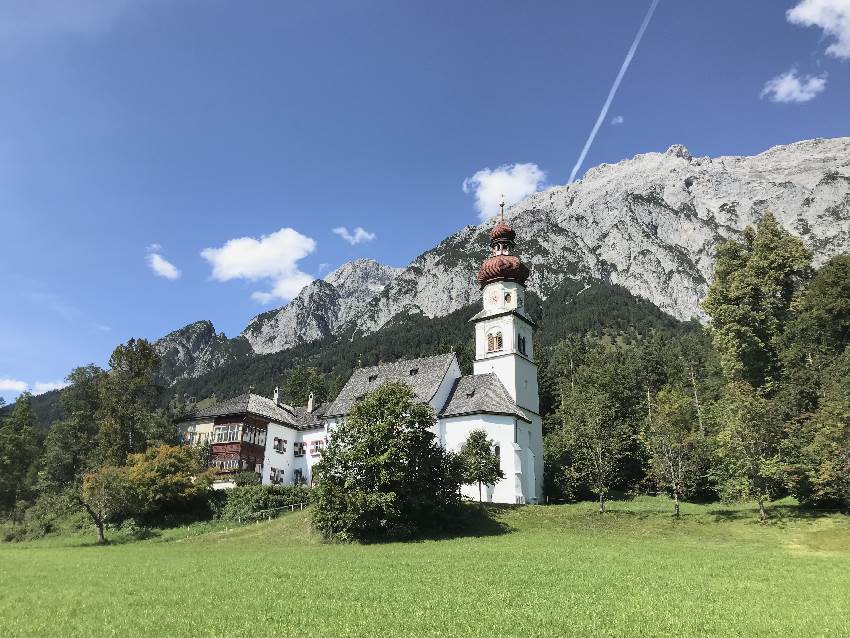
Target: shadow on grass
x=778, y=514
x=121, y=537
x=472, y=520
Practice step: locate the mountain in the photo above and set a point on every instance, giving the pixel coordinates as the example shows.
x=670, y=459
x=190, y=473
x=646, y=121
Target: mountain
x=650, y=224
x=195, y=349
x=320, y=308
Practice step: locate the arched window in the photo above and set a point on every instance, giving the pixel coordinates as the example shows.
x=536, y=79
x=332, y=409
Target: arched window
x=521, y=344
x=494, y=341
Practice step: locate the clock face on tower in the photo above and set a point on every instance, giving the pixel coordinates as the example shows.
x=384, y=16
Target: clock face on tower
x=493, y=297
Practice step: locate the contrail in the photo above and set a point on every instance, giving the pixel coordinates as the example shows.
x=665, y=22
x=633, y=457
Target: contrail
x=604, y=112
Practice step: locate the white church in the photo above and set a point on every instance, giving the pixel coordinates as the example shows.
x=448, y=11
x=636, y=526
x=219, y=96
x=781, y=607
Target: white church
x=283, y=442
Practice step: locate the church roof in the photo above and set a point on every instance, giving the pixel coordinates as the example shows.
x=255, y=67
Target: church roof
x=481, y=394
x=423, y=375
x=257, y=405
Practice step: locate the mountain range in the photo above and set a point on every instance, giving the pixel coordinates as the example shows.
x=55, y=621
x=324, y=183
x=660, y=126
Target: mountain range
x=650, y=224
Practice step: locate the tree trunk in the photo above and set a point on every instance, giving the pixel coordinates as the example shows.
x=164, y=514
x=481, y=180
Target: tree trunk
x=696, y=403
x=479, y=492
x=601, y=503
x=762, y=511
x=98, y=522
x=676, y=502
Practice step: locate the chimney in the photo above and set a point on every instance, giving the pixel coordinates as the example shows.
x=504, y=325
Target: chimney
x=276, y=395
x=310, y=403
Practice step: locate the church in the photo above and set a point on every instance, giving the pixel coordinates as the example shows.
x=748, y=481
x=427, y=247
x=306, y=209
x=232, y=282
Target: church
x=283, y=442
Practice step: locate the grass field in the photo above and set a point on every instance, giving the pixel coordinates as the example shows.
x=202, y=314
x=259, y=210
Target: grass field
x=555, y=571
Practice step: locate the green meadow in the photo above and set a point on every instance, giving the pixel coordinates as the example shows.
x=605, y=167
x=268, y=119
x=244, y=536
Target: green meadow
x=542, y=571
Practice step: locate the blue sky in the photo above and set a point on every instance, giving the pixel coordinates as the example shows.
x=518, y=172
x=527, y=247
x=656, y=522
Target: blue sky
x=164, y=162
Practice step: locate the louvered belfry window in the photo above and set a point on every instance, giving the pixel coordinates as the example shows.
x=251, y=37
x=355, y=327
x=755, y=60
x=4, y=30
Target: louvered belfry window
x=494, y=341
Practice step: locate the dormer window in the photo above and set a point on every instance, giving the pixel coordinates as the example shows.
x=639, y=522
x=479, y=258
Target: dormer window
x=414, y=372
x=372, y=377
x=494, y=341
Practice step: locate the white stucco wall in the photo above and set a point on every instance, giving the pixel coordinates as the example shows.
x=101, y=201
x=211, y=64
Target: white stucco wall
x=501, y=429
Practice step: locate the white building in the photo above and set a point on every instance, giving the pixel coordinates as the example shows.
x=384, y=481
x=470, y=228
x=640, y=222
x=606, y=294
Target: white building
x=501, y=397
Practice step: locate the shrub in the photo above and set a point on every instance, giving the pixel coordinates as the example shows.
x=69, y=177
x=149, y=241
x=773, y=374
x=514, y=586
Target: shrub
x=243, y=502
x=383, y=475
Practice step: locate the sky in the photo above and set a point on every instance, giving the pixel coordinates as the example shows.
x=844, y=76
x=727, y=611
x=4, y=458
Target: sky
x=165, y=162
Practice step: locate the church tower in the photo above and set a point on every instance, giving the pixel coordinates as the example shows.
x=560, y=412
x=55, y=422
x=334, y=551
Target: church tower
x=503, y=331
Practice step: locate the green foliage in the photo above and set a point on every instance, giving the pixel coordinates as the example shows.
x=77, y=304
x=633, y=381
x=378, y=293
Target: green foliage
x=820, y=443
x=675, y=443
x=243, y=503
x=19, y=447
x=166, y=479
x=596, y=437
x=383, y=475
x=478, y=461
x=747, y=464
x=106, y=496
x=300, y=382
x=749, y=301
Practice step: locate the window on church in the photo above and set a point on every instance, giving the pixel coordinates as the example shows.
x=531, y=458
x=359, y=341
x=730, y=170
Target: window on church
x=496, y=451
x=414, y=372
x=372, y=377
x=494, y=342
x=521, y=344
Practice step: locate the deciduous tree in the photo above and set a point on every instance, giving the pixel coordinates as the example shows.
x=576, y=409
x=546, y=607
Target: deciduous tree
x=479, y=461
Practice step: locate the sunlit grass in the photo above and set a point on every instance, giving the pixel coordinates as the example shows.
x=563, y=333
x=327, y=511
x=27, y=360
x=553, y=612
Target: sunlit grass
x=555, y=571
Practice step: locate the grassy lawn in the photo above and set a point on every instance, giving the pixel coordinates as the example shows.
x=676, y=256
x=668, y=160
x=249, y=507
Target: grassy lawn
x=557, y=571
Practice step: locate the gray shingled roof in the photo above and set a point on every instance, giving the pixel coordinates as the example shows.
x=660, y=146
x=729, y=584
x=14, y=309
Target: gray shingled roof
x=296, y=417
x=481, y=394
x=425, y=382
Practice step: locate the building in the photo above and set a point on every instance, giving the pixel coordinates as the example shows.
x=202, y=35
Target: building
x=283, y=442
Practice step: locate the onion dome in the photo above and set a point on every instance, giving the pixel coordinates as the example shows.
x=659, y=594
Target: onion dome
x=502, y=232
x=501, y=268
x=501, y=265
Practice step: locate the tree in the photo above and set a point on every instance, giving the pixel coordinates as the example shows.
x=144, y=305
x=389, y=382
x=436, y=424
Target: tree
x=746, y=454
x=480, y=464
x=129, y=417
x=19, y=445
x=105, y=495
x=755, y=280
x=596, y=440
x=302, y=381
x=383, y=475
x=820, y=443
x=166, y=479
x=674, y=441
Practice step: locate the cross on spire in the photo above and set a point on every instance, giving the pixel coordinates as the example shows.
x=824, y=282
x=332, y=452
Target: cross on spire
x=502, y=207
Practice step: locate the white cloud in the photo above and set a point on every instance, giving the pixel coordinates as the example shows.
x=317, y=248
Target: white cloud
x=617, y=119
x=12, y=385
x=789, y=87
x=161, y=267
x=101, y=327
x=514, y=181
x=323, y=267
x=833, y=16
x=40, y=387
x=274, y=257
x=357, y=236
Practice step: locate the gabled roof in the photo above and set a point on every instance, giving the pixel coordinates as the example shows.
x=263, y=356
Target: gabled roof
x=425, y=381
x=481, y=394
x=257, y=405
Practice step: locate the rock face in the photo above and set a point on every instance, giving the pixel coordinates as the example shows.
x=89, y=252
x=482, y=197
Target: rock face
x=195, y=349
x=650, y=224
x=320, y=308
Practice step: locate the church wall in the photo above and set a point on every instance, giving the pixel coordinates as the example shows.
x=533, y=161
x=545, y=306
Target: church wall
x=453, y=431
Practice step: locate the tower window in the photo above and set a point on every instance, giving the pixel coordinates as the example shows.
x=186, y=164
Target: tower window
x=494, y=341
x=521, y=344
x=507, y=297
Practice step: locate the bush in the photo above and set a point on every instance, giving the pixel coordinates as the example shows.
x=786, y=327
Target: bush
x=243, y=502
x=383, y=475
